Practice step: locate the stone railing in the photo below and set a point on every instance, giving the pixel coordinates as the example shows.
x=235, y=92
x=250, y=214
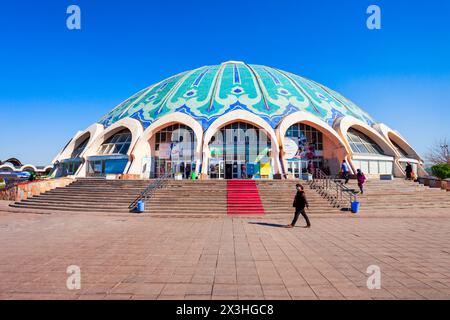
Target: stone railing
x=28, y=189
x=434, y=182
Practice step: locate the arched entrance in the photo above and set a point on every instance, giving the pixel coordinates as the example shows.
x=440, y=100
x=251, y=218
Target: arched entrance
x=309, y=143
x=111, y=156
x=304, y=150
x=369, y=151
x=173, y=150
x=240, y=150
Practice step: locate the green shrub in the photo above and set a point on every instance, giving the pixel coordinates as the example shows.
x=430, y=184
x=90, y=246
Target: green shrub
x=442, y=171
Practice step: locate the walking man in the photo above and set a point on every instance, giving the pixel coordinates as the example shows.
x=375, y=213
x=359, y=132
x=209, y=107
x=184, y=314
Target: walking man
x=299, y=204
x=345, y=171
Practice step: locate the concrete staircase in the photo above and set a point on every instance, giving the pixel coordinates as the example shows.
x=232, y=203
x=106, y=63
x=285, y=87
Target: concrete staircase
x=209, y=198
x=400, y=195
x=177, y=198
x=187, y=197
x=278, y=195
x=88, y=195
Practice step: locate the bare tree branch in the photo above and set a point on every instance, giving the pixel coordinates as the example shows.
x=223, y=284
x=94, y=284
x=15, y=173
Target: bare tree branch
x=438, y=152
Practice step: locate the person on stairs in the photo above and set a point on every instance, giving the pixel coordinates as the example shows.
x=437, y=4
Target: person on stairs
x=409, y=171
x=299, y=204
x=345, y=171
x=361, y=180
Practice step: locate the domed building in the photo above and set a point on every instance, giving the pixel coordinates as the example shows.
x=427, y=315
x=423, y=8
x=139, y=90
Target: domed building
x=235, y=120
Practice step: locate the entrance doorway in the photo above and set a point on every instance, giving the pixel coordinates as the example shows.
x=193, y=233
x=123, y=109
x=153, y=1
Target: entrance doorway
x=297, y=168
x=106, y=166
x=238, y=150
x=174, y=149
x=172, y=168
x=229, y=171
x=217, y=169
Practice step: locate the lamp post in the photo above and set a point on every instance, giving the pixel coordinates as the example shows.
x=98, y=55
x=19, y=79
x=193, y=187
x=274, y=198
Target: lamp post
x=444, y=148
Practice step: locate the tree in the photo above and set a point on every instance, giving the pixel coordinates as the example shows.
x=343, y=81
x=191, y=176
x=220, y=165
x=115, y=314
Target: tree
x=438, y=153
x=442, y=171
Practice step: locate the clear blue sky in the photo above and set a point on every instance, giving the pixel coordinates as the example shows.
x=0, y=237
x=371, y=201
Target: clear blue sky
x=54, y=82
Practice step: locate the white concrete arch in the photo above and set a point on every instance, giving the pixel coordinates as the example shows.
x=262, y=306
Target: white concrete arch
x=12, y=161
x=339, y=153
x=133, y=125
x=28, y=166
x=343, y=124
x=7, y=167
x=93, y=131
x=142, y=147
x=240, y=116
x=309, y=119
x=391, y=136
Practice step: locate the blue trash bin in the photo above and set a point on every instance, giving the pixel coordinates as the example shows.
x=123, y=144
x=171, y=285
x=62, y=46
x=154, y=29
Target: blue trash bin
x=355, y=206
x=140, y=207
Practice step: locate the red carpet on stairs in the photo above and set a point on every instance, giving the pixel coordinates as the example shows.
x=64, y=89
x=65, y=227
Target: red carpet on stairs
x=243, y=197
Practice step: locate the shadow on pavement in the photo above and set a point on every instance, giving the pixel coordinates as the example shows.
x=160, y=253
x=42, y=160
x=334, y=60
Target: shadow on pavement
x=273, y=225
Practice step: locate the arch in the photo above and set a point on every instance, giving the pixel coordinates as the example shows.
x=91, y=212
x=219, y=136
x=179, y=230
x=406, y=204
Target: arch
x=91, y=149
x=142, y=147
x=7, y=167
x=303, y=117
x=48, y=169
x=393, y=137
x=240, y=116
x=93, y=131
x=14, y=162
x=343, y=124
x=82, y=140
x=28, y=167
x=133, y=125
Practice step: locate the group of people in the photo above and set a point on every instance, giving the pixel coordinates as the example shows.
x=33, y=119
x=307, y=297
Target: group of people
x=360, y=177
x=300, y=202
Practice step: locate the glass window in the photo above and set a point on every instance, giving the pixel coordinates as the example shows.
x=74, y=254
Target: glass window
x=373, y=167
x=307, y=135
x=80, y=148
x=117, y=144
x=360, y=143
x=241, y=142
x=364, y=166
x=363, y=148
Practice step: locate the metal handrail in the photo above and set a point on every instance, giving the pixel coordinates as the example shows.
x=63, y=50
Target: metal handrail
x=158, y=183
x=333, y=189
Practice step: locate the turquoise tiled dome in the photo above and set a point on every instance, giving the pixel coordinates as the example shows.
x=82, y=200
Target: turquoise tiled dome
x=209, y=92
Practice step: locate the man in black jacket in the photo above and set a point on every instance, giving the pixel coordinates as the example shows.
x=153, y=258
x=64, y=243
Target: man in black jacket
x=299, y=204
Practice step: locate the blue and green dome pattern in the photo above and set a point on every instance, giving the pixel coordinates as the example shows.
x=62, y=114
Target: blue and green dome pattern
x=209, y=92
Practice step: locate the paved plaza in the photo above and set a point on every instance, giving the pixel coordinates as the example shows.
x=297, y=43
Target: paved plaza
x=141, y=257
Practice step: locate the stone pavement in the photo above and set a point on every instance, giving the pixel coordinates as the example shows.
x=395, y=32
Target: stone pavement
x=142, y=257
